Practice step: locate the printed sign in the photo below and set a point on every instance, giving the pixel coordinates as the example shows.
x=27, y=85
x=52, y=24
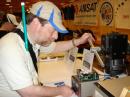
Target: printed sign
x=106, y=12
x=87, y=61
x=86, y=12
x=122, y=12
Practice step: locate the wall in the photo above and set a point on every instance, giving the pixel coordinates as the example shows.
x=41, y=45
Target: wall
x=111, y=15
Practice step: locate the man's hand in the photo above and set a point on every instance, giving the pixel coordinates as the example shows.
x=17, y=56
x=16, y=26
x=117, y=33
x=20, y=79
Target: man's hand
x=66, y=91
x=85, y=37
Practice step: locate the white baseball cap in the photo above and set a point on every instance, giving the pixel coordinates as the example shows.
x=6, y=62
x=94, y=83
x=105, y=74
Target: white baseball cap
x=49, y=11
x=12, y=19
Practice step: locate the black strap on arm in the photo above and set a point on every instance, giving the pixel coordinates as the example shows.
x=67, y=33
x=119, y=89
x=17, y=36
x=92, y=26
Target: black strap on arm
x=30, y=48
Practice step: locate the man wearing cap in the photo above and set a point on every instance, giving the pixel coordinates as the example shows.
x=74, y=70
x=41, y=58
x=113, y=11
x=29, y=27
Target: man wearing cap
x=18, y=76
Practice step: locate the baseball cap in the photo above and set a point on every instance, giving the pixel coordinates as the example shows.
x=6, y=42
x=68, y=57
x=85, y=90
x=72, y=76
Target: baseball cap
x=51, y=12
x=12, y=19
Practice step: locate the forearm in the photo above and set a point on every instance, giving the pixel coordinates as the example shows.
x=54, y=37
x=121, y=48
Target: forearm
x=39, y=91
x=44, y=91
x=65, y=45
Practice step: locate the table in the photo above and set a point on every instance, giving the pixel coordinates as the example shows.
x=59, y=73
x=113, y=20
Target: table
x=57, y=71
x=112, y=87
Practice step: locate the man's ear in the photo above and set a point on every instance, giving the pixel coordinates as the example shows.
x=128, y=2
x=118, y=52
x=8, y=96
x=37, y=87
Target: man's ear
x=35, y=20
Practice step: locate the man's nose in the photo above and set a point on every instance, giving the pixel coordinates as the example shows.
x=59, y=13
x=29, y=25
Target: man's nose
x=55, y=35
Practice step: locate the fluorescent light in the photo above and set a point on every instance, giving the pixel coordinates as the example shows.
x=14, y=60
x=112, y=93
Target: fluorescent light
x=7, y=4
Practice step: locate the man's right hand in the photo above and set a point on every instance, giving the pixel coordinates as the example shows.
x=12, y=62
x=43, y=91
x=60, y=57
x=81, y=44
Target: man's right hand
x=66, y=91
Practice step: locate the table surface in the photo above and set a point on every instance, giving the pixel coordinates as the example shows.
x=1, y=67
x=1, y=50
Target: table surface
x=51, y=71
x=57, y=70
x=115, y=86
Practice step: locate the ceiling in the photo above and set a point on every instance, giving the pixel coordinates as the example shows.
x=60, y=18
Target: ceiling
x=14, y=5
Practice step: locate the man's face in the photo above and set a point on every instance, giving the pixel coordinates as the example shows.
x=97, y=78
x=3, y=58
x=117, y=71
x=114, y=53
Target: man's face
x=42, y=35
x=47, y=34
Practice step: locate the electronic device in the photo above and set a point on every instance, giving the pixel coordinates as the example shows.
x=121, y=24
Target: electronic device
x=114, y=47
x=83, y=82
x=83, y=85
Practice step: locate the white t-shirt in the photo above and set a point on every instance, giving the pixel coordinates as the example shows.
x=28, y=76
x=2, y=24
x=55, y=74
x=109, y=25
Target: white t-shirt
x=16, y=67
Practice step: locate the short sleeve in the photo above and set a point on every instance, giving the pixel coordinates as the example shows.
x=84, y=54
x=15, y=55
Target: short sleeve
x=14, y=64
x=49, y=48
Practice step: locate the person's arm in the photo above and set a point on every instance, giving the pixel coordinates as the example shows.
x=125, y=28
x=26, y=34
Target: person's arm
x=44, y=91
x=66, y=45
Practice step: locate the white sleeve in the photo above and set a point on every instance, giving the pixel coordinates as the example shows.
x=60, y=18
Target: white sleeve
x=13, y=65
x=49, y=48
